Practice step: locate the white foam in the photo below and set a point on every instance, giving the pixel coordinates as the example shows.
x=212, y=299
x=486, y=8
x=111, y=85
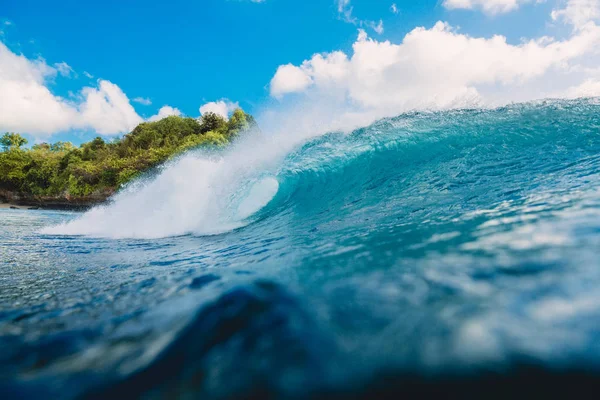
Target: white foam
x=196, y=194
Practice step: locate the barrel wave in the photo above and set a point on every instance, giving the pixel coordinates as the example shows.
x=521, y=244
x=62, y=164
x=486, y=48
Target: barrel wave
x=430, y=245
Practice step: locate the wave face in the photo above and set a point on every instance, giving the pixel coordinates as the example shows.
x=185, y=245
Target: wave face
x=427, y=243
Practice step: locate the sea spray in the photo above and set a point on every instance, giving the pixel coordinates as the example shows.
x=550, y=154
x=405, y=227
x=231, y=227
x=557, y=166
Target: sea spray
x=201, y=192
x=191, y=195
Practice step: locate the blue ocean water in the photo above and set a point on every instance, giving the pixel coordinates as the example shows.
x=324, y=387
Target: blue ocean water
x=432, y=244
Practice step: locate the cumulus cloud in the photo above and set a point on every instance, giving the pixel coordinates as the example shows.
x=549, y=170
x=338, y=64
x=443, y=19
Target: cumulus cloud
x=28, y=106
x=222, y=107
x=107, y=110
x=289, y=79
x=578, y=12
x=165, y=111
x=588, y=88
x=435, y=68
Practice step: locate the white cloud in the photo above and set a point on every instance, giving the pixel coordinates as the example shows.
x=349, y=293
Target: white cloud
x=142, y=100
x=28, y=106
x=491, y=7
x=289, y=79
x=88, y=75
x=107, y=109
x=64, y=69
x=222, y=107
x=394, y=9
x=589, y=88
x=578, y=12
x=435, y=68
x=345, y=11
x=376, y=26
x=165, y=111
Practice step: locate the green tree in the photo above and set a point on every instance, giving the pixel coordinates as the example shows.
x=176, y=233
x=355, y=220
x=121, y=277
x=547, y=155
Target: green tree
x=41, y=146
x=10, y=141
x=62, y=146
x=98, y=143
x=237, y=123
x=212, y=122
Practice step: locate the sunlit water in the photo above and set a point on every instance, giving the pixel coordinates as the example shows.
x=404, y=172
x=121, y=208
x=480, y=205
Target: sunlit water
x=426, y=244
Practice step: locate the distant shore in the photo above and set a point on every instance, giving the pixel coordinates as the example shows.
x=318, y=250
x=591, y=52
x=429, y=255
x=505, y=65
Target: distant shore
x=16, y=206
x=10, y=206
x=25, y=201
x=47, y=205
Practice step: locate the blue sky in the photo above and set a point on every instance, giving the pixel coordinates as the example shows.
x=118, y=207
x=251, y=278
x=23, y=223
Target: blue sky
x=188, y=53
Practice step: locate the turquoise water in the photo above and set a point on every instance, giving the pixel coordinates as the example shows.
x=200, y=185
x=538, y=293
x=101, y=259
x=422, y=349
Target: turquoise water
x=430, y=244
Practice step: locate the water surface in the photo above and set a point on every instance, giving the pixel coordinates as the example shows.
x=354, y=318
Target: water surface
x=429, y=244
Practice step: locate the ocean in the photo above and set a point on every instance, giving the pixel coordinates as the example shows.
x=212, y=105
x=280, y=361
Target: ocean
x=430, y=251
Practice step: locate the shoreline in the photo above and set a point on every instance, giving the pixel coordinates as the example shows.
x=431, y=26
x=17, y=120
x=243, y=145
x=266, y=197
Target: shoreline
x=4, y=206
x=21, y=201
x=56, y=207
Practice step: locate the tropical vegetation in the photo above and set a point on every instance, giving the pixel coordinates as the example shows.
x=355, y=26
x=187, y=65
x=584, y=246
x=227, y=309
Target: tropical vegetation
x=98, y=168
